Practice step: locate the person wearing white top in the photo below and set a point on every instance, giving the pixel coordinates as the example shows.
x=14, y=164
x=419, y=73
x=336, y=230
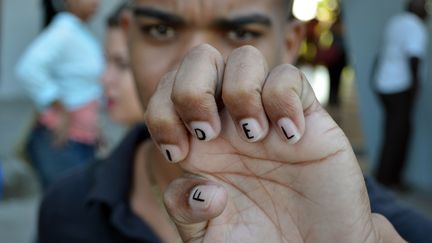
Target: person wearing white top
x=60, y=71
x=397, y=80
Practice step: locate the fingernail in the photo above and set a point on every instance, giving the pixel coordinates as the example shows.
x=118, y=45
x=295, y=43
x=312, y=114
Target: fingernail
x=203, y=131
x=201, y=197
x=171, y=152
x=251, y=129
x=289, y=130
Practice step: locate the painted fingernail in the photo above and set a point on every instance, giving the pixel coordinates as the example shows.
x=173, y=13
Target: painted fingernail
x=251, y=129
x=289, y=130
x=203, y=131
x=201, y=196
x=171, y=152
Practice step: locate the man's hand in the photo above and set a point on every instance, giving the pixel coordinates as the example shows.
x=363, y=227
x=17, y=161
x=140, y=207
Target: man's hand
x=266, y=162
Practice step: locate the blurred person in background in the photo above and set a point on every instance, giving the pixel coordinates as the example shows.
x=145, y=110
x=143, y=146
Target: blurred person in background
x=121, y=98
x=50, y=11
x=61, y=70
x=289, y=180
x=108, y=176
x=1, y=180
x=334, y=58
x=398, y=75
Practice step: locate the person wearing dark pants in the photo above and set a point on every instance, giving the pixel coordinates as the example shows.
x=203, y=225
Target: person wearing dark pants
x=398, y=108
x=60, y=71
x=397, y=79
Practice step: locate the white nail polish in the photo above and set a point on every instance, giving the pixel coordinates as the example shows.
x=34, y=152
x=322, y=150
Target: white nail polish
x=171, y=152
x=203, y=131
x=252, y=130
x=289, y=130
x=201, y=196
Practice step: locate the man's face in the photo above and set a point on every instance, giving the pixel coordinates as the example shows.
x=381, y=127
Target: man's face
x=161, y=32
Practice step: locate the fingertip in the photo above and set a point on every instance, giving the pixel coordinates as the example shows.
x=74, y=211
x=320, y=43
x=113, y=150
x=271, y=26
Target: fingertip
x=172, y=153
x=192, y=200
x=203, y=131
x=210, y=199
x=252, y=131
x=288, y=130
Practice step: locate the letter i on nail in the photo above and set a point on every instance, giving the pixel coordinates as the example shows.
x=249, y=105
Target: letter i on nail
x=202, y=130
x=289, y=130
x=171, y=153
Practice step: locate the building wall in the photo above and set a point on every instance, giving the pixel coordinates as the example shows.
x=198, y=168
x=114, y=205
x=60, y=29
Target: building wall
x=365, y=21
x=21, y=21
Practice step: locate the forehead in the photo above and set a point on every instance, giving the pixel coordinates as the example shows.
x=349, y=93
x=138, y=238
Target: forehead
x=206, y=10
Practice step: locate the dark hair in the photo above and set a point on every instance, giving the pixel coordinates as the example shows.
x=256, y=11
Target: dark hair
x=113, y=20
x=288, y=6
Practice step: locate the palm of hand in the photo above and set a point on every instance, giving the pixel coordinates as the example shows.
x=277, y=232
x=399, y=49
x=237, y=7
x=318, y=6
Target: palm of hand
x=312, y=191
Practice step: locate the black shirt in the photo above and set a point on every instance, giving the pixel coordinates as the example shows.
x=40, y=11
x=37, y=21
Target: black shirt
x=92, y=204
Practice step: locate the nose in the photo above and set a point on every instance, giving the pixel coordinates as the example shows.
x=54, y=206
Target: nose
x=196, y=39
x=199, y=38
x=108, y=75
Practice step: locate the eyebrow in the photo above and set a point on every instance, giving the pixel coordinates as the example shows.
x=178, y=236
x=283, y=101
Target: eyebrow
x=235, y=22
x=161, y=15
x=223, y=23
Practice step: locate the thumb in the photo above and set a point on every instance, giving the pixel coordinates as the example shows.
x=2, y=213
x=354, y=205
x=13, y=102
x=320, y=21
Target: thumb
x=192, y=203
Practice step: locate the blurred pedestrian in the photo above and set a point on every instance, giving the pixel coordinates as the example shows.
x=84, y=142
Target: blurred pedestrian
x=124, y=107
x=60, y=71
x=1, y=180
x=50, y=11
x=121, y=97
x=397, y=81
x=335, y=59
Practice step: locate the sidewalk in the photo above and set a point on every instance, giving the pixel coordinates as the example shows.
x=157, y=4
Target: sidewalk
x=18, y=213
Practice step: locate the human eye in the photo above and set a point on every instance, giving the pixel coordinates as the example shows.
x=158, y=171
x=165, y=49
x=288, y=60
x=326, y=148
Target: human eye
x=160, y=32
x=122, y=65
x=242, y=35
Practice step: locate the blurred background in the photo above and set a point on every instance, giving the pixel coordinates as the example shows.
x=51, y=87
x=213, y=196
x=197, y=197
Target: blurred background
x=343, y=35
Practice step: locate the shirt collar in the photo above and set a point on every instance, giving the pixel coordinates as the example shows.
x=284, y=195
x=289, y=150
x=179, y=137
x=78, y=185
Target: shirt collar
x=111, y=187
x=112, y=177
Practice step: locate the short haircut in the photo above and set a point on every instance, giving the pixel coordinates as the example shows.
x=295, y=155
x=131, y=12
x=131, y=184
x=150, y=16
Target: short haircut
x=114, y=19
x=288, y=5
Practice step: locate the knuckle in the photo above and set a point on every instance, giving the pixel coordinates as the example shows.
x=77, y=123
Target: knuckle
x=247, y=50
x=244, y=54
x=286, y=70
x=246, y=61
x=203, y=50
x=286, y=77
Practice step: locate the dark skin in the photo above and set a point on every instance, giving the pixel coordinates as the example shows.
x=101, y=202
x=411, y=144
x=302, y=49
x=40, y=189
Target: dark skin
x=255, y=184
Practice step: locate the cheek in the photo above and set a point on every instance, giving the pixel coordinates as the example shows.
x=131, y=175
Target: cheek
x=127, y=91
